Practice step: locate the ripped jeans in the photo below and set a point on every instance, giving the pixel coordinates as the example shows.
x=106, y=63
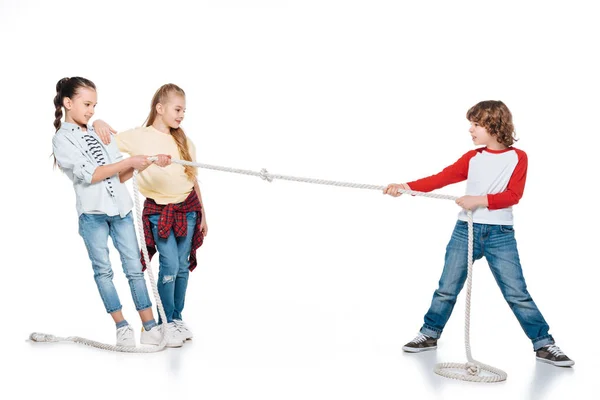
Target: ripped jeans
x=174, y=263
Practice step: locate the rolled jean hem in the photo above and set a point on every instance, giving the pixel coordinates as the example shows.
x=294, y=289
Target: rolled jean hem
x=431, y=332
x=542, y=341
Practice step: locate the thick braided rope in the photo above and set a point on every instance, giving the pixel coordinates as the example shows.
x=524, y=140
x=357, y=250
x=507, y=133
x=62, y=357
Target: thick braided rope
x=43, y=337
x=472, y=367
x=265, y=175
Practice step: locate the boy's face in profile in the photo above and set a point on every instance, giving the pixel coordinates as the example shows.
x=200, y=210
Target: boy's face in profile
x=480, y=135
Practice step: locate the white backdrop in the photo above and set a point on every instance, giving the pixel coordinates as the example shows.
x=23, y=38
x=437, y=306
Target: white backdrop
x=307, y=291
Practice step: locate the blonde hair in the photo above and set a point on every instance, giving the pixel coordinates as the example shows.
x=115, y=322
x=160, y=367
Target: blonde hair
x=162, y=96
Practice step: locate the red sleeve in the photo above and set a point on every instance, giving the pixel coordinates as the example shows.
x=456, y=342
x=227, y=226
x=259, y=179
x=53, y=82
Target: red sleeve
x=456, y=172
x=514, y=189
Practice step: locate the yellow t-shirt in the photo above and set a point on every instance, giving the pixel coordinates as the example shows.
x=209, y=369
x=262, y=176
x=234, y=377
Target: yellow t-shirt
x=164, y=185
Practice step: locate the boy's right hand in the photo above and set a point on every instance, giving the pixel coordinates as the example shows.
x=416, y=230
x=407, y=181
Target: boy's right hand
x=392, y=189
x=103, y=130
x=139, y=163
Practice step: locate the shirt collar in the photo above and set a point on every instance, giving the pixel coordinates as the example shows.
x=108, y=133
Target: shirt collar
x=74, y=127
x=498, y=151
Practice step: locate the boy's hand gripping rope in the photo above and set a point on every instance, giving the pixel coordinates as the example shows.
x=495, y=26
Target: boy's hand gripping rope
x=472, y=367
x=42, y=337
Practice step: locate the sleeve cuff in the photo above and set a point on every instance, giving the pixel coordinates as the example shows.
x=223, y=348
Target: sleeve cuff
x=84, y=171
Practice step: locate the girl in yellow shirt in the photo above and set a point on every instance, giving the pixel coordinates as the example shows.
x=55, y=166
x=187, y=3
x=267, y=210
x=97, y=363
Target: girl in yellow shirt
x=174, y=217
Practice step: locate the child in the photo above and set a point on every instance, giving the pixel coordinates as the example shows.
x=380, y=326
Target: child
x=495, y=175
x=174, y=217
x=103, y=203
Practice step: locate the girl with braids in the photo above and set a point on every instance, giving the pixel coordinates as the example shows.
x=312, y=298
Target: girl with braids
x=174, y=219
x=495, y=173
x=98, y=173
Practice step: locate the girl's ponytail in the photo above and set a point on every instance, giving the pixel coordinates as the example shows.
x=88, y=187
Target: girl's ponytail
x=58, y=114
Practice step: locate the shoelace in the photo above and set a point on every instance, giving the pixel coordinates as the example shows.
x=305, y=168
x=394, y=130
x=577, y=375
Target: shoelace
x=420, y=338
x=173, y=328
x=180, y=325
x=124, y=333
x=555, y=350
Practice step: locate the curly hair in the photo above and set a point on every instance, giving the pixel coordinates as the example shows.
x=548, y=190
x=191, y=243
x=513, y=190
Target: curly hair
x=496, y=118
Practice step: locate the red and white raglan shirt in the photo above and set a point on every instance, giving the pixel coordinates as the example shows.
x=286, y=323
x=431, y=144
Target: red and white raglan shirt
x=499, y=174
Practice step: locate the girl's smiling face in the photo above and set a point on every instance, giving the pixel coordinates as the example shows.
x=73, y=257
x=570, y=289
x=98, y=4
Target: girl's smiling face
x=80, y=108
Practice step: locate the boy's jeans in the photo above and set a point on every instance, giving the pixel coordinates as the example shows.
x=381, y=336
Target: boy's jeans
x=95, y=230
x=497, y=243
x=174, y=263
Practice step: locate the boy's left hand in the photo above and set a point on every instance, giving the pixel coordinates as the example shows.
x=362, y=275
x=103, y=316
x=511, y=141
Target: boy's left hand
x=472, y=202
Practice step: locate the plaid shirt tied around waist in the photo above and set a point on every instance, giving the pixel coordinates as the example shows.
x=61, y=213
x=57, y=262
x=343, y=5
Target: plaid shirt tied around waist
x=173, y=216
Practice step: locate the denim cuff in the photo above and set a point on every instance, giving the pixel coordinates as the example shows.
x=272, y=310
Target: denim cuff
x=110, y=311
x=431, y=332
x=542, y=341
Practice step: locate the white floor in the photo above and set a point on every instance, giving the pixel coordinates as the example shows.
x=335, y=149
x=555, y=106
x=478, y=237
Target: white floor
x=231, y=371
x=284, y=323
x=343, y=357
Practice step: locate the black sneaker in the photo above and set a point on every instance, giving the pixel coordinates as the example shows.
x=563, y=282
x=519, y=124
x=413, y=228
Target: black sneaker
x=552, y=354
x=420, y=343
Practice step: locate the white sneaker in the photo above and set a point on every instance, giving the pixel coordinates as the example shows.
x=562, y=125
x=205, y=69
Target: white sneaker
x=152, y=337
x=185, y=330
x=125, y=336
x=173, y=334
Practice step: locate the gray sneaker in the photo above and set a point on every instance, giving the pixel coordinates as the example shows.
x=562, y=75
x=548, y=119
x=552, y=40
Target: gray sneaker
x=552, y=354
x=420, y=343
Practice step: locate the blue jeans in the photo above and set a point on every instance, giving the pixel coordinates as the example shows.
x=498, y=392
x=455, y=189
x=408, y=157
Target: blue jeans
x=497, y=243
x=95, y=230
x=174, y=265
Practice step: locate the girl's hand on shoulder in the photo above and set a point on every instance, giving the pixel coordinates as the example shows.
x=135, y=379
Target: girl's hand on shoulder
x=163, y=160
x=393, y=189
x=103, y=130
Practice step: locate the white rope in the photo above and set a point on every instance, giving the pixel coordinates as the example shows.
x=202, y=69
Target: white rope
x=265, y=175
x=43, y=337
x=472, y=367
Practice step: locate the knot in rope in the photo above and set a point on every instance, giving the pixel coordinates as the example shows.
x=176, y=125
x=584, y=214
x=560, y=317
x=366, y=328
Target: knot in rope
x=472, y=368
x=265, y=176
